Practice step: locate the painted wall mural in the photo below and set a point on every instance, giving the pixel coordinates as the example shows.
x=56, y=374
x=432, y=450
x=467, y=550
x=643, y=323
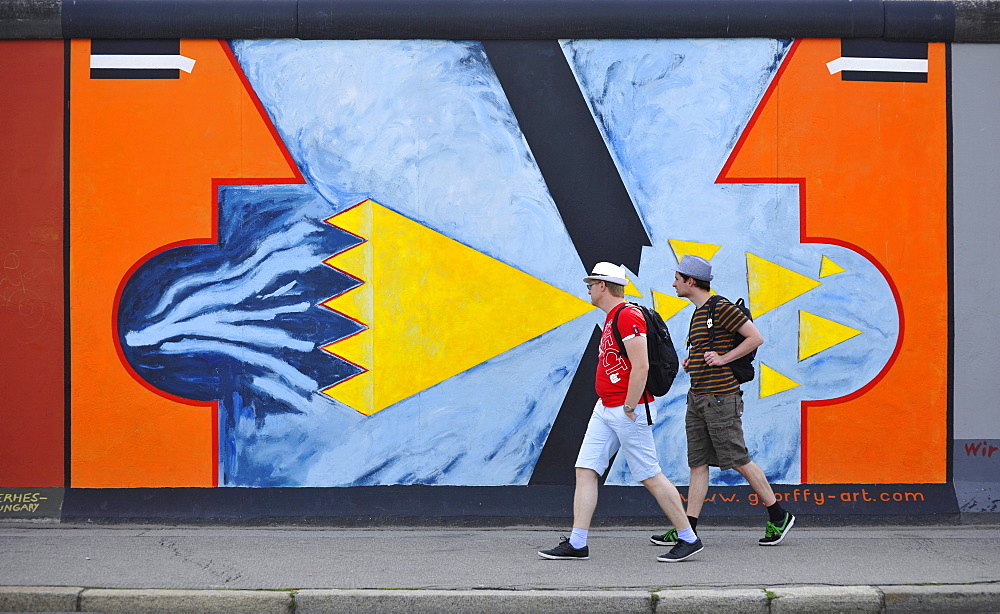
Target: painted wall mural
x=358, y=263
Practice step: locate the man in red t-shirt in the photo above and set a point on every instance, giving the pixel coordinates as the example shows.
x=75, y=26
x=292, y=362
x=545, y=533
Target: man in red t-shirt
x=614, y=425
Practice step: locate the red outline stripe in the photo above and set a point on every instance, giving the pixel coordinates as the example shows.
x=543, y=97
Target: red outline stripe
x=724, y=177
x=212, y=240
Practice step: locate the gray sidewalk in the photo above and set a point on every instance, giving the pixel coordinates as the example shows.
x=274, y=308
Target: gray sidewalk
x=156, y=568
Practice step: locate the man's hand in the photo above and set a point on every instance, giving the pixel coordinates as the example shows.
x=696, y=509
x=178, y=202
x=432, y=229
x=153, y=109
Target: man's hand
x=684, y=364
x=636, y=346
x=713, y=359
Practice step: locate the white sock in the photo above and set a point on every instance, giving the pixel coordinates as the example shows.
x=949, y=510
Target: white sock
x=578, y=538
x=687, y=535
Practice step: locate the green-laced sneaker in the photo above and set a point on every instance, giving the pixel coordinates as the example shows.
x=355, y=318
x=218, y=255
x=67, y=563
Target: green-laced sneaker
x=774, y=533
x=670, y=538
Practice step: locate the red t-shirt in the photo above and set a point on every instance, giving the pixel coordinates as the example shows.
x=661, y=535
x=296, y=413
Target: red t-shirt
x=613, y=368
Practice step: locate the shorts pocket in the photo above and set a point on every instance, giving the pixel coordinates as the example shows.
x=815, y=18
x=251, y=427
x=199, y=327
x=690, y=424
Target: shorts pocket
x=725, y=408
x=625, y=417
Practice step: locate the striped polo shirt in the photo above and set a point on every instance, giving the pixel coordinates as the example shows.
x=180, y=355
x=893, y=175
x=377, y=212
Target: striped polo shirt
x=728, y=319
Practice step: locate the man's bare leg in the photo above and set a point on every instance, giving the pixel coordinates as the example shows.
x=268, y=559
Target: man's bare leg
x=758, y=482
x=669, y=499
x=697, y=490
x=584, y=504
x=584, y=498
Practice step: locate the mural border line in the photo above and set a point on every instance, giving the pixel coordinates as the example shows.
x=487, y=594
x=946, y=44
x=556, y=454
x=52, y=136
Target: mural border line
x=423, y=503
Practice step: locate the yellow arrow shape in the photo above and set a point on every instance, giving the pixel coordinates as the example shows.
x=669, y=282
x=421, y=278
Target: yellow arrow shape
x=631, y=289
x=668, y=306
x=828, y=267
x=772, y=285
x=817, y=334
x=433, y=307
x=683, y=248
x=772, y=382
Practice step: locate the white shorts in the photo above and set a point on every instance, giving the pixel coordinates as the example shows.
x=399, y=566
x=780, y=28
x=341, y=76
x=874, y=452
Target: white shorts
x=610, y=430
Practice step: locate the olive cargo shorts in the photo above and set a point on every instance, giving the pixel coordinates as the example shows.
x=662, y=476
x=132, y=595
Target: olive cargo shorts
x=714, y=425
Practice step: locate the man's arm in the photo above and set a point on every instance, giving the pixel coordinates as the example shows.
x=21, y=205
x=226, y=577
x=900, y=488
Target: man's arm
x=752, y=340
x=636, y=348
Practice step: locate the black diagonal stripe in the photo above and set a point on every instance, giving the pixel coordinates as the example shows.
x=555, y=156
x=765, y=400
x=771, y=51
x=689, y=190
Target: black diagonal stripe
x=555, y=464
x=135, y=47
x=570, y=152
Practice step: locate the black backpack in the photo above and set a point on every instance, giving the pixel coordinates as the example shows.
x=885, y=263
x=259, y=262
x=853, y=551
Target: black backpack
x=742, y=367
x=660, y=350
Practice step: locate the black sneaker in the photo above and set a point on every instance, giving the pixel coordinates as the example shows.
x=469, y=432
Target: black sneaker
x=682, y=550
x=774, y=533
x=565, y=551
x=670, y=538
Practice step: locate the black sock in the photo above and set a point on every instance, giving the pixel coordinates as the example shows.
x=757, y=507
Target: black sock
x=694, y=523
x=776, y=513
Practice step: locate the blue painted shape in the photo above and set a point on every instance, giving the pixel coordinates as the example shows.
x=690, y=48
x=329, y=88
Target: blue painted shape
x=197, y=320
x=671, y=112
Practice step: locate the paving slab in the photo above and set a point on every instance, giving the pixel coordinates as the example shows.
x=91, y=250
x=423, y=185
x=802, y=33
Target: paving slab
x=469, y=558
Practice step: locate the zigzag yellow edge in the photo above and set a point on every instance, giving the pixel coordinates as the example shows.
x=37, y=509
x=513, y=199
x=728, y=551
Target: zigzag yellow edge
x=356, y=304
x=355, y=220
x=356, y=392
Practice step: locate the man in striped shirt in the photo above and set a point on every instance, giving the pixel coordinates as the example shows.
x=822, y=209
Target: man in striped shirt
x=720, y=333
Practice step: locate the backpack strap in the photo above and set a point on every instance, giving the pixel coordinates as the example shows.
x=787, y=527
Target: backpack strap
x=621, y=346
x=712, y=300
x=614, y=328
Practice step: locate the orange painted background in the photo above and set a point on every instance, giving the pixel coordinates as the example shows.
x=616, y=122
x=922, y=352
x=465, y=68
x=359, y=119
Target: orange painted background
x=872, y=165
x=146, y=159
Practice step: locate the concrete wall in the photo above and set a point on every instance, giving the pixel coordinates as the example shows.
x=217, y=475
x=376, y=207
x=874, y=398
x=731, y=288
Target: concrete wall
x=975, y=83
x=342, y=278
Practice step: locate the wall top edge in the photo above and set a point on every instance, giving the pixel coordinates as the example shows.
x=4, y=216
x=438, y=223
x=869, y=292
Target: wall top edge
x=913, y=20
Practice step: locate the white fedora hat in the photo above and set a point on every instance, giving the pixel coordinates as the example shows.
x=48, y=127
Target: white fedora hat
x=605, y=271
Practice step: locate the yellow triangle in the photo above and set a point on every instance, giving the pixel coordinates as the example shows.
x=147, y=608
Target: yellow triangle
x=355, y=261
x=631, y=290
x=359, y=348
x=683, y=248
x=772, y=382
x=772, y=285
x=360, y=390
x=357, y=302
x=356, y=220
x=434, y=308
x=817, y=334
x=668, y=306
x=828, y=267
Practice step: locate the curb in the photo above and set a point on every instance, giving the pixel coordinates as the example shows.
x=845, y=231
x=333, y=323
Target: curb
x=825, y=599
x=786, y=599
x=942, y=598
